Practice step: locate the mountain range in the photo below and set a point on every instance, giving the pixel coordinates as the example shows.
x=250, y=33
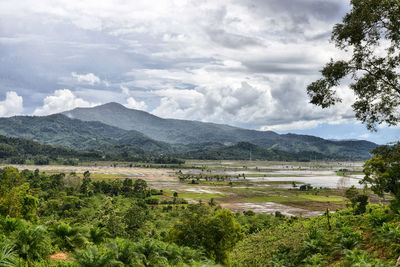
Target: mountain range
x=188, y=132
x=113, y=127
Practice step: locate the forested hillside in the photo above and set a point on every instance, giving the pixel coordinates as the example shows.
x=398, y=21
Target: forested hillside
x=60, y=130
x=191, y=132
x=63, y=131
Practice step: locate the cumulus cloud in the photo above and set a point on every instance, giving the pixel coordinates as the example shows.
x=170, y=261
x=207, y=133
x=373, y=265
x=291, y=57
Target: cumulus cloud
x=132, y=103
x=296, y=125
x=61, y=100
x=12, y=105
x=88, y=78
x=240, y=62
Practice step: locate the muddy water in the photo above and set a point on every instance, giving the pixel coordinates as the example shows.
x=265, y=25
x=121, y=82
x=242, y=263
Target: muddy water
x=316, y=181
x=270, y=208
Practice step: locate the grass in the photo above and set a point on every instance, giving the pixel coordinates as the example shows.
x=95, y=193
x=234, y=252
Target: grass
x=286, y=198
x=194, y=195
x=104, y=176
x=323, y=198
x=191, y=195
x=275, y=198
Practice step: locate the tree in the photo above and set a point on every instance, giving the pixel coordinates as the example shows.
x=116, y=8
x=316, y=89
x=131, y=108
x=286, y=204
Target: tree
x=32, y=244
x=139, y=188
x=86, y=183
x=217, y=234
x=382, y=172
x=371, y=31
x=358, y=201
x=134, y=218
x=92, y=257
x=98, y=235
x=67, y=237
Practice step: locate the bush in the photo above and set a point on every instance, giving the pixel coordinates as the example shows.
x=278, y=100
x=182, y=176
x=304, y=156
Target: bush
x=347, y=238
x=92, y=257
x=152, y=201
x=361, y=258
x=32, y=244
x=378, y=216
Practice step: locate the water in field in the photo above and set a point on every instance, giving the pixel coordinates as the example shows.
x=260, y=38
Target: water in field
x=329, y=181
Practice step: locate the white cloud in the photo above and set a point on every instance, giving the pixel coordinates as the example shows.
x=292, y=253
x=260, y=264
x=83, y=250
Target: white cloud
x=296, y=125
x=88, y=78
x=61, y=100
x=239, y=62
x=132, y=103
x=12, y=105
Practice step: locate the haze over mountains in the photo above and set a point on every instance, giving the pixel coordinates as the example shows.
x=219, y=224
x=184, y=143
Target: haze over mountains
x=113, y=127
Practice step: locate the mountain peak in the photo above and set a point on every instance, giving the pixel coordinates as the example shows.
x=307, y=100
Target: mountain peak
x=112, y=104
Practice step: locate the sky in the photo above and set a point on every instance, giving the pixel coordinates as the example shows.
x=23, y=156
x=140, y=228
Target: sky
x=245, y=63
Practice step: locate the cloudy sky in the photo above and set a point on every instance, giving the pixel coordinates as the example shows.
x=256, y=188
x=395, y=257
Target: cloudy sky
x=241, y=62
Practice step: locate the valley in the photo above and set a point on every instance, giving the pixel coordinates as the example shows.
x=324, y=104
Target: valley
x=260, y=186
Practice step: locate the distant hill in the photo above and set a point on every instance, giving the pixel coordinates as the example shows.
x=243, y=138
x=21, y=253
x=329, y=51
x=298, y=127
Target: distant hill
x=19, y=149
x=246, y=151
x=60, y=130
x=193, y=132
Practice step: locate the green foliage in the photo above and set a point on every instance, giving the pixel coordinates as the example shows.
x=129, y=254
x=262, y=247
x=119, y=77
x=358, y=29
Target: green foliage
x=315, y=243
x=92, y=257
x=67, y=237
x=347, y=238
x=359, y=258
x=140, y=188
x=216, y=234
x=8, y=256
x=134, y=218
x=98, y=235
x=375, y=72
x=308, y=242
x=32, y=243
x=15, y=198
x=358, y=202
x=382, y=172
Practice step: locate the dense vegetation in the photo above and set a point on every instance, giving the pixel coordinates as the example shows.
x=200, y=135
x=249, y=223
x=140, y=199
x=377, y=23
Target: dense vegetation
x=247, y=151
x=104, y=223
x=370, y=239
x=63, y=131
x=64, y=220
x=22, y=151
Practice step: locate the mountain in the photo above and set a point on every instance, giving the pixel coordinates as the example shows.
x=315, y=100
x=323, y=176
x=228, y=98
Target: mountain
x=60, y=130
x=166, y=130
x=188, y=132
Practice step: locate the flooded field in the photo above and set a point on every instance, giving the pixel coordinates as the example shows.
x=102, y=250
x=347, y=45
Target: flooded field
x=264, y=187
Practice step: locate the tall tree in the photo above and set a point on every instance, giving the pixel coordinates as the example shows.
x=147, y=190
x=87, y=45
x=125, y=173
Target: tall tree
x=370, y=34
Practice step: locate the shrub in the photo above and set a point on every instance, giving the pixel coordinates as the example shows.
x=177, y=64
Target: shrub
x=347, y=238
x=152, y=201
x=92, y=257
x=361, y=258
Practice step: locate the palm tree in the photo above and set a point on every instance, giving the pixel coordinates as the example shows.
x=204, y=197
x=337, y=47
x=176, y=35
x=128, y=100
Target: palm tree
x=151, y=253
x=67, y=237
x=9, y=225
x=8, y=257
x=32, y=243
x=98, y=235
x=91, y=257
x=123, y=251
